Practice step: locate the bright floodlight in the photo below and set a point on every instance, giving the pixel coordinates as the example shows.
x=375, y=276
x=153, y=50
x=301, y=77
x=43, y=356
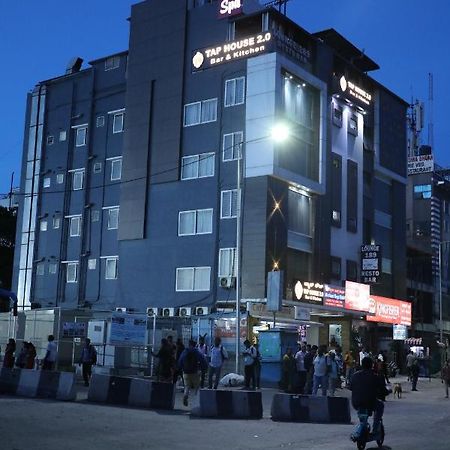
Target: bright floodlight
x=280, y=132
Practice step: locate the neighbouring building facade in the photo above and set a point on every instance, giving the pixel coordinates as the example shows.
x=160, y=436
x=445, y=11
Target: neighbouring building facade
x=130, y=169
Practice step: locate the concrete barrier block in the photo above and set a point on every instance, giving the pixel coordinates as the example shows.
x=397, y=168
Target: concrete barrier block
x=119, y=390
x=318, y=409
x=28, y=383
x=208, y=404
x=281, y=409
x=9, y=380
x=48, y=384
x=300, y=408
x=240, y=404
x=339, y=410
x=67, y=390
x=162, y=395
x=140, y=393
x=98, y=388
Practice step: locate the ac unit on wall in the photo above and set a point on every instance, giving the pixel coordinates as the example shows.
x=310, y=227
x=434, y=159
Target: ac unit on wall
x=153, y=312
x=201, y=311
x=124, y=309
x=168, y=312
x=227, y=282
x=184, y=311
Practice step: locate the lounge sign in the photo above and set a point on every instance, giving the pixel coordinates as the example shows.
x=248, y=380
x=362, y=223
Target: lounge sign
x=230, y=51
x=228, y=8
x=352, y=90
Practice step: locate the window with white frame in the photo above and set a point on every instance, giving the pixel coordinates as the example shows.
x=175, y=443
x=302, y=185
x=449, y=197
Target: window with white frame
x=229, y=204
x=46, y=182
x=44, y=225
x=113, y=218
x=81, y=134
x=77, y=179
x=97, y=167
x=227, y=262
x=111, y=271
x=200, y=112
x=72, y=272
x=52, y=268
x=232, y=143
x=74, y=226
x=56, y=222
x=92, y=264
x=235, y=91
x=116, y=169
x=60, y=178
x=195, y=222
x=118, y=122
x=62, y=135
x=197, y=166
x=40, y=269
x=193, y=279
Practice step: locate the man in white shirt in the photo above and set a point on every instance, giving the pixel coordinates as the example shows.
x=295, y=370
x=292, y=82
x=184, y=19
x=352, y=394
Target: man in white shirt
x=218, y=356
x=301, y=370
x=362, y=354
x=320, y=372
x=50, y=356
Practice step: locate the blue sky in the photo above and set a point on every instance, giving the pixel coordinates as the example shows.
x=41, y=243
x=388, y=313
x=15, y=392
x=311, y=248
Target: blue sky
x=407, y=38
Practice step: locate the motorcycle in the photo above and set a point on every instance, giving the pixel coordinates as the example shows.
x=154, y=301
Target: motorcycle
x=392, y=369
x=363, y=433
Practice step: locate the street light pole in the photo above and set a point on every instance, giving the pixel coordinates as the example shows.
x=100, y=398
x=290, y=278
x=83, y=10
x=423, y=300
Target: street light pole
x=237, y=258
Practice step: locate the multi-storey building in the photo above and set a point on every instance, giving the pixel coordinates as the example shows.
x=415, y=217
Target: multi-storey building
x=130, y=165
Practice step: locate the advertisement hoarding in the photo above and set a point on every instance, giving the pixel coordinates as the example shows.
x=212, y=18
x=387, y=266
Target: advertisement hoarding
x=309, y=292
x=357, y=296
x=334, y=296
x=399, y=332
x=128, y=329
x=389, y=310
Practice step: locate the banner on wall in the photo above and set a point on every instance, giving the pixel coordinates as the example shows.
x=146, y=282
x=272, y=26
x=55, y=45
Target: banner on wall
x=389, y=310
x=357, y=296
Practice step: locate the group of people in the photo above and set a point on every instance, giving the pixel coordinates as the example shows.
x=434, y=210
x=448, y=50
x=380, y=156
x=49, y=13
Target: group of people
x=191, y=363
x=24, y=359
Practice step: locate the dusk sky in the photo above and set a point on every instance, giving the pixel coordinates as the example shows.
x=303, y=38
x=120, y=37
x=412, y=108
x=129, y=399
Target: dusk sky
x=408, y=39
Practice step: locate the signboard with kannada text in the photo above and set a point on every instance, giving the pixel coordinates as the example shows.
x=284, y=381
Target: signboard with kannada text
x=309, y=292
x=389, y=310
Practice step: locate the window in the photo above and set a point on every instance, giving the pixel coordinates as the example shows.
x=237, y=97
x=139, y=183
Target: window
x=116, y=169
x=56, y=222
x=40, y=269
x=100, y=121
x=118, y=122
x=60, y=178
x=232, y=143
x=352, y=270
x=112, y=63
x=353, y=124
x=111, y=268
x=193, y=279
x=80, y=139
x=75, y=226
x=50, y=140
x=229, y=204
x=97, y=167
x=72, y=272
x=299, y=213
x=227, y=262
x=195, y=222
x=113, y=218
x=92, y=264
x=234, y=91
x=337, y=114
x=44, y=225
x=95, y=215
x=335, y=268
x=200, y=112
x=197, y=166
x=77, y=179
x=46, y=182
x=421, y=191
x=62, y=136
x=52, y=268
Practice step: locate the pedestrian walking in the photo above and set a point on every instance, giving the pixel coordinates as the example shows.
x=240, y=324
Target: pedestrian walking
x=445, y=376
x=166, y=358
x=301, y=369
x=288, y=371
x=22, y=356
x=177, y=371
x=311, y=352
x=218, y=357
x=31, y=356
x=191, y=362
x=320, y=372
x=87, y=359
x=51, y=354
x=349, y=362
x=332, y=372
x=410, y=359
x=249, y=355
x=8, y=359
x=258, y=362
x=203, y=349
x=414, y=374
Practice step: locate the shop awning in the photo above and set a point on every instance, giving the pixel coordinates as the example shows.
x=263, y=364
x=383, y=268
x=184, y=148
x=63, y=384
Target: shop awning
x=413, y=341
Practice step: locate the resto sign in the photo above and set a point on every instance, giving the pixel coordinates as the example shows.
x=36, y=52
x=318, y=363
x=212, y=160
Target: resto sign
x=309, y=292
x=357, y=296
x=389, y=310
x=228, y=8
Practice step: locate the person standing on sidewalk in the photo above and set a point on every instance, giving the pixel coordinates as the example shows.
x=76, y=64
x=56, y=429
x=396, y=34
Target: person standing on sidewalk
x=31, y=356
x=257, y=366
x=320, y=372
x=301, y=369
x=8, y=359
x=333, y=373
x=249, y=355
x=203, y=349
x=414, y=374
x=190, y=362
x=87, y=359
x=311, y=353
x=410, y=358
x=50, y=357
x=445, y=376
x=218, y=357
x=288, y=371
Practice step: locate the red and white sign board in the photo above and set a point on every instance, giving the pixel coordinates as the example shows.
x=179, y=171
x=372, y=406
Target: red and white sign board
x=389, y=310
x=357, y=296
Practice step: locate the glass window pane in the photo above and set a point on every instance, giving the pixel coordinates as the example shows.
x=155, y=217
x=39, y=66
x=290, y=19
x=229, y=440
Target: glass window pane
x=228, y=143
x=116, y=169
x=118, y=123
x=56, y=222
x=202, y=278
x=80, y=137
x=206, y=165
x=113, y=219
x=192, y=114
x=234, y=203
x=240, y=91
x=209, y=110
x=230, y=92
x=225, y=210
x=185, y=279
x=43, y=225
x=189, y=167
x=77, y=180
x=204, y=221
x=75, y=223
x=186, y=223
x=72, y=272
x=111, y=268
x=238, y=139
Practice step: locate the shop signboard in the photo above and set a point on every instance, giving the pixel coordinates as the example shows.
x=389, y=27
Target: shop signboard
x=334, y=296
x=128, y=329
x=309, y=292
x=357, y=296
x=353, y=91
x=302, y=313
x=389, y=310
x=74, y=329
x=399, y=332
x=420, y=164
x=370, y=263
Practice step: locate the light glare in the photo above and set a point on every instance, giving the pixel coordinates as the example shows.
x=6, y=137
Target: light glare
x=280, y=132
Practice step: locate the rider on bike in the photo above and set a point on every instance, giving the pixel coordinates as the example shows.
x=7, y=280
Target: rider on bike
x=367, y=389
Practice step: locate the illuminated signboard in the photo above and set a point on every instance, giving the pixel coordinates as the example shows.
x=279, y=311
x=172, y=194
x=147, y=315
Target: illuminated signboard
x=357, y=296
x=309, y=292
x=370, y=263
x=420, y=164
x=389, y=310
x=228, y=8
x=230, y=51
x=399, y=332
x=334, y=296
x=354, y=91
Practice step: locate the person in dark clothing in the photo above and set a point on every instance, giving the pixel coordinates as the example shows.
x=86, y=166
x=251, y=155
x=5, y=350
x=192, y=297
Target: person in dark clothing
x=249, y=355
x=87, y=359
x=309, y=367
x=288, y=371
x=179, y=350
x=31, y=356
x=367, y=389
x=258, y=366
x=8, y=360
x=414, y=375
x=166, y=361
x=22, y=357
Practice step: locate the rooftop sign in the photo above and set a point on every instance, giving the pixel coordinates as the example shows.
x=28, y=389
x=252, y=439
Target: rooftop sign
x=229, y=8
x=230, y=51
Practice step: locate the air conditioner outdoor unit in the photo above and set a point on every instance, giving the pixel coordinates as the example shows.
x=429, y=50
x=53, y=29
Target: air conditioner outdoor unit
x=123, y=309
x=227, y=282
x=168, y=312
x=184, y=311
x=201, y=311
x=153, y=312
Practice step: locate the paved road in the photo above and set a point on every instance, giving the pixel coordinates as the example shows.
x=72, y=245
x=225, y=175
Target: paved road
x=420, y=420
